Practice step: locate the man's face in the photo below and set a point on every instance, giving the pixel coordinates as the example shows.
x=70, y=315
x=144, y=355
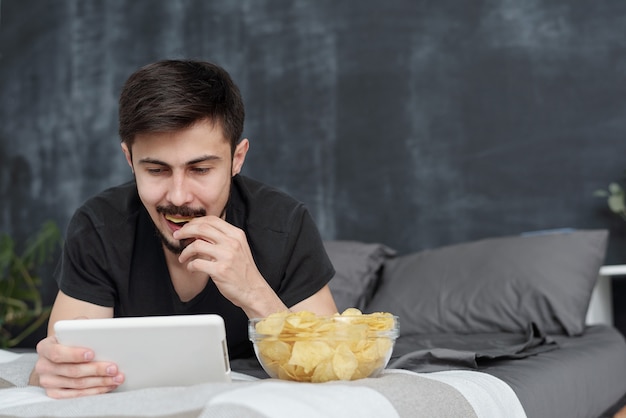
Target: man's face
x=184, y=174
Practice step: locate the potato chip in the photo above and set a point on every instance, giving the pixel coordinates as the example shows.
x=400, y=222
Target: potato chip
x=308, y=354
x=344, y=362
x=275, y=350
x=367, y=350
x=288, y=371
x=351, y=312
x=272, y=325
x=302, y=320
x=324, y=372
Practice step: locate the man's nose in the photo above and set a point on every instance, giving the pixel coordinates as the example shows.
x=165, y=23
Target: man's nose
x=179, y=193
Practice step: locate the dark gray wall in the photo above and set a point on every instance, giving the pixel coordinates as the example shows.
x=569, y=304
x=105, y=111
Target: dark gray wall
x=415, y=123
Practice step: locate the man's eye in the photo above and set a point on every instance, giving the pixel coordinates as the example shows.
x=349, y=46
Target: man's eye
x=156, y=171
x=200, y=170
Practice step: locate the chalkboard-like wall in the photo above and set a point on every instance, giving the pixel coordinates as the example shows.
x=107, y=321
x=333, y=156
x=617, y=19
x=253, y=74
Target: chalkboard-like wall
x=414, y=123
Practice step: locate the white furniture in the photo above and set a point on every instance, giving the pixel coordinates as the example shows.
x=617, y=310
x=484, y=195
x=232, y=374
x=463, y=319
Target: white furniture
x=601, y=306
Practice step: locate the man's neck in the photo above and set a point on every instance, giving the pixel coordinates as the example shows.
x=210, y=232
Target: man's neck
x=187, y=284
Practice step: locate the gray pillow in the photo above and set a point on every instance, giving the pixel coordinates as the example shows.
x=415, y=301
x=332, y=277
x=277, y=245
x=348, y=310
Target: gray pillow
x=495, y=285
x=357, y=267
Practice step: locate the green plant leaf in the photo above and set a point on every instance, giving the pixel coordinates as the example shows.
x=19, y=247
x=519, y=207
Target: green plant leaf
x=6, y=255
x=42, y=246
x=21, y=309
x=616, y=203
x=601, y=193
x=615, y=188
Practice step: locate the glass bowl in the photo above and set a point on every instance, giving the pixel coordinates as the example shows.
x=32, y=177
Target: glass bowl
x=306, y=347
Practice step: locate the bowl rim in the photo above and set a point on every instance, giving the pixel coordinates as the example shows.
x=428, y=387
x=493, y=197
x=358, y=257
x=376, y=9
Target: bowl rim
x=334, y=316
x=392, y=333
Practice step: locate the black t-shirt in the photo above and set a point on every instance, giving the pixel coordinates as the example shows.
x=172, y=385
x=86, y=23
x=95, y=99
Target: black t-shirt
x=113, y=256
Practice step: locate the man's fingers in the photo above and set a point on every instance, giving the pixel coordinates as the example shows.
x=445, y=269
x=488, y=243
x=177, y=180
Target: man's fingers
x=81, y=383
x=78, y=380
x=50, y=349
x=65, y=393
x=51, y=371
x=209, y=228
x=199, y=249
x=101, y=369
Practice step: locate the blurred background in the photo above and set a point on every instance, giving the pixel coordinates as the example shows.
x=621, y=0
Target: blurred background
x=414, y=123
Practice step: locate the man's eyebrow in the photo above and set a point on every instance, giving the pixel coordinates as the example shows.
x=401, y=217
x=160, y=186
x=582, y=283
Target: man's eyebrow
x=204, y=159
x=152, y=161
x=198, y=160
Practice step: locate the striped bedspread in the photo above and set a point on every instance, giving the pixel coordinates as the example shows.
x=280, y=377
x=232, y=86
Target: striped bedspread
x=395, y=393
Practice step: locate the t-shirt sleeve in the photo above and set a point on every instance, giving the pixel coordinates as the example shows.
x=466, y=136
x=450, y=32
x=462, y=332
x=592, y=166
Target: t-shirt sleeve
x=308, y=267
x=83, y=272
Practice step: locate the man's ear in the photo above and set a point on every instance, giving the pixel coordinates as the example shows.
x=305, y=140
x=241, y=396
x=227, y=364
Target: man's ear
x=240, y=155
x=128, y=155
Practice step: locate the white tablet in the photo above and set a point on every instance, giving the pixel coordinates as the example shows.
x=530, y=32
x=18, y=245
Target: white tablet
x=178, y=350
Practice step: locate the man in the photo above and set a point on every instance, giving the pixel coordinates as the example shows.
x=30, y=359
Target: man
x=189, y=235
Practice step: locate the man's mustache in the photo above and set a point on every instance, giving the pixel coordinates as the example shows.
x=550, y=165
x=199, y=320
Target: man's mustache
x=182, y=211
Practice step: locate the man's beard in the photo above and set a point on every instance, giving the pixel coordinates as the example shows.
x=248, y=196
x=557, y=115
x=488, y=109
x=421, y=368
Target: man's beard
x=184, y=212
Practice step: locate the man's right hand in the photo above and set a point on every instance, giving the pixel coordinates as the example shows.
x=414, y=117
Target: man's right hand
x=67, y=372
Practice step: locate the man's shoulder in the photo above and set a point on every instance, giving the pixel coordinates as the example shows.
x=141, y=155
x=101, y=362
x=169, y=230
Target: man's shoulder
x=265, y=204
x=256, y=192
x=114, y=206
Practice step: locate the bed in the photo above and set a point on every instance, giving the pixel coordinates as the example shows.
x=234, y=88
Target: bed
x=491, y=328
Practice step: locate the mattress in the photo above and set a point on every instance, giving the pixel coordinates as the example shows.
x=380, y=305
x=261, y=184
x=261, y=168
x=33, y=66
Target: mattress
x=476, y=375
x=552, y=376
x=583, y=378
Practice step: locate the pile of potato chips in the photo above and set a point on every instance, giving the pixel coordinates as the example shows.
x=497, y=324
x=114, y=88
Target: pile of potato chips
x=305, y=347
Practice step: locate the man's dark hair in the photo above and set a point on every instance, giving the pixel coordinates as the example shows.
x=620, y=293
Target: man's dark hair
x=171, y=95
